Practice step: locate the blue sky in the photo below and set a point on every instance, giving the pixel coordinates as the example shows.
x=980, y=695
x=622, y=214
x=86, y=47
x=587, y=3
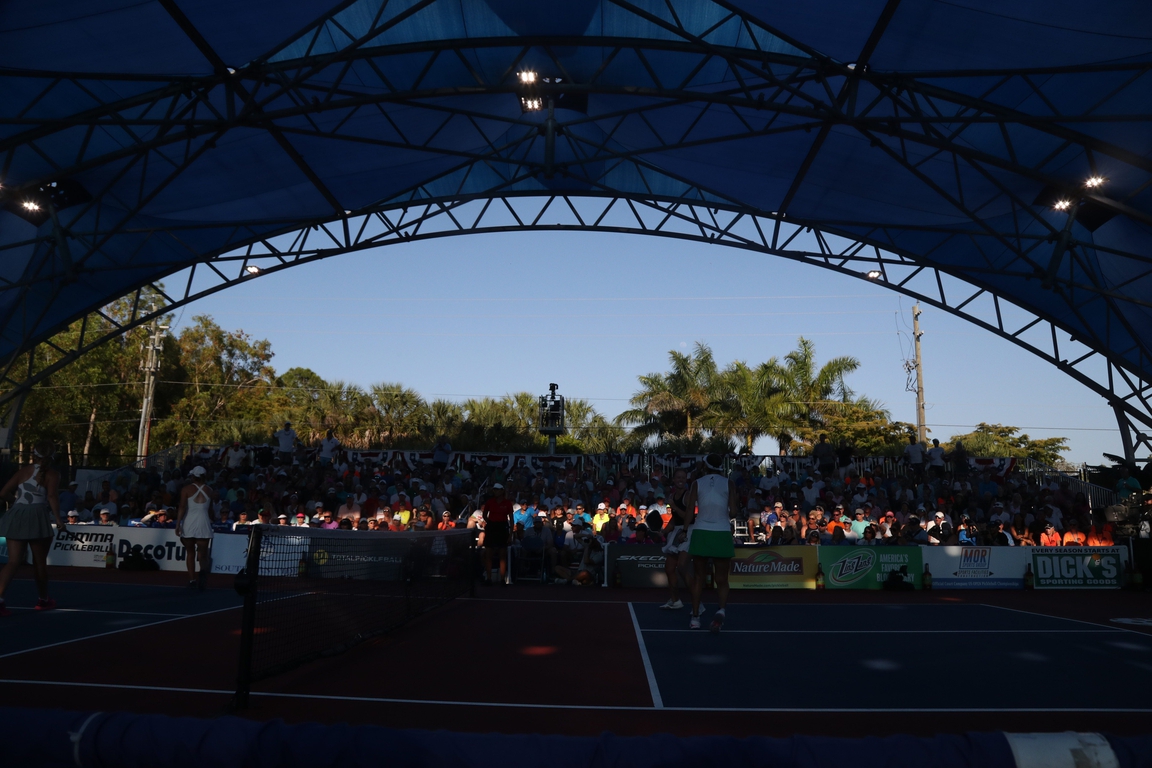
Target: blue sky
x=491, y=314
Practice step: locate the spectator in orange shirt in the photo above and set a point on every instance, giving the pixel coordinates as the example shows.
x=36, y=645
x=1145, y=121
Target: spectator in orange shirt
x=1050, y=537
x=1074, y=537
x=1100, y=534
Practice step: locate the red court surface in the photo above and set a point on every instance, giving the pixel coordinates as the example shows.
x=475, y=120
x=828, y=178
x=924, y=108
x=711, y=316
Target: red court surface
x=534, y=659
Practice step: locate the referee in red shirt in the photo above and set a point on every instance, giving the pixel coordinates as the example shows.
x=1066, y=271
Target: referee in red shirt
x=497, y=531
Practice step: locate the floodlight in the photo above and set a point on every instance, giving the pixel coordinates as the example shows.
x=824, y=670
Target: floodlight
x=252, y=269
x=29, y=205
x=1093, y=181
x=1062, y=205
x=531, y=104
x=874, y=274
x=527, y=77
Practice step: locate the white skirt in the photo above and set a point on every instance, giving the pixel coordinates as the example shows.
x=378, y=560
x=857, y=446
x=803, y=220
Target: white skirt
x=196, y=525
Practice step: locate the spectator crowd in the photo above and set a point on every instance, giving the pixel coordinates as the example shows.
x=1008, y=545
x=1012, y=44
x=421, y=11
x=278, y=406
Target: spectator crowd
x=567, y=516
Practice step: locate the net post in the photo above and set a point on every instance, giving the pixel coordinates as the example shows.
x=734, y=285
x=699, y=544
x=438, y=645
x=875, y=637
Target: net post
x=472, y=566
x=248, y=621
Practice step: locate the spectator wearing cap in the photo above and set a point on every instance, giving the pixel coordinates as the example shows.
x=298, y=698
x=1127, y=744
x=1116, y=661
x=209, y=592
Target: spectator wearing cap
x=106, y=519
x=282, y=519
x=998, y=537
x=600, y=519
x=1050, y=537
x=861, y=523
x=73, y=518
x=939, y=530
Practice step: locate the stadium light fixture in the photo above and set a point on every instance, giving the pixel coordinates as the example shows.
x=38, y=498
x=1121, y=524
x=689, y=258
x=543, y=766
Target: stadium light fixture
x=1093, y=181
x=874, y=274
x=30, y=205
x=1062, y=205
x=527, y=77
x=252, y=269
x=531, y=104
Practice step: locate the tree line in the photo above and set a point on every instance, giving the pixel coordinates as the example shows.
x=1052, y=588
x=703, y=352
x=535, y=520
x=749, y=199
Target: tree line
x=217, y=386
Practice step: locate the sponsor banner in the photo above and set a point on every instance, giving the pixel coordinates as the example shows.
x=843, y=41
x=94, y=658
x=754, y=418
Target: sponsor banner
x=868, y=567
x=774, y=568
x=636, y=565
x=976, y=567
x=1078, y=567
x=85, y=546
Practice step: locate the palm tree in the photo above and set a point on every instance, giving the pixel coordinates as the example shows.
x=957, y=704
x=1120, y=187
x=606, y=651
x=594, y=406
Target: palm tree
x=338, y=406
x=522, y=411
x=815, y=391
x=679, y=401
x=397, y=412
x=444, y=418
x=755, y=402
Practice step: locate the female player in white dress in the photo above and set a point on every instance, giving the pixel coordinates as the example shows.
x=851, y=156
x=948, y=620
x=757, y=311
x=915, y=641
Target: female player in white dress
x=710, y=535
x=194, y=525
x=28, y=523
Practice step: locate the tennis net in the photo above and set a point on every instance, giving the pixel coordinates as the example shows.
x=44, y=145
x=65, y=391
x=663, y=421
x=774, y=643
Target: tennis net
x=313, y=592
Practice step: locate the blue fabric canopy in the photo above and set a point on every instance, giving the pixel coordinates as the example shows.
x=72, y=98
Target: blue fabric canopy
x=958, y=133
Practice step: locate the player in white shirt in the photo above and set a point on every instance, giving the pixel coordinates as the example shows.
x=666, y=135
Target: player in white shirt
x=714, y=498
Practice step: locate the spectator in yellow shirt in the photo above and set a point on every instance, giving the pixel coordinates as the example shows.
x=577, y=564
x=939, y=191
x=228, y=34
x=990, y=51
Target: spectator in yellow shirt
x=601, y=518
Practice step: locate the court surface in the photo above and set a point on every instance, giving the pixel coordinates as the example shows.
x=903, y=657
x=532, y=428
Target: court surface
x=533, y=659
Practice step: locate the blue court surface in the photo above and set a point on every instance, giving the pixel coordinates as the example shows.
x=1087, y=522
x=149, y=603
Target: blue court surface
x=95, y=610
x=896, y=658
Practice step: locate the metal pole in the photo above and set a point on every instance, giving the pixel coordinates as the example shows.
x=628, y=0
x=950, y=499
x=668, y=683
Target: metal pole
x=551, y=445
x=921, y=421
x=151, y=366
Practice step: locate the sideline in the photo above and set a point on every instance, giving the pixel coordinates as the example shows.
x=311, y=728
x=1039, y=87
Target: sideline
x=653, y=687
x=606, y=707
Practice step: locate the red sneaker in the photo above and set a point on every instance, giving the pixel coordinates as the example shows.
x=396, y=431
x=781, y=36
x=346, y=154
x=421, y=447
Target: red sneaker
x=45, y=604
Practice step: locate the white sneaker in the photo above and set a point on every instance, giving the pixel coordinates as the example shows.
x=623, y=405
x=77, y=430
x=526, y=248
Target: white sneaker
x=694, y=623
x=672, y=606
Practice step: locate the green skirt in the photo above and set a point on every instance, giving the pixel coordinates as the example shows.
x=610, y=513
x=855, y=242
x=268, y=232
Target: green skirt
x=710, y=543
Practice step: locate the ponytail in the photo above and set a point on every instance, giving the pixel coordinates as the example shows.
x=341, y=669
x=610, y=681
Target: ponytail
x=42, y=455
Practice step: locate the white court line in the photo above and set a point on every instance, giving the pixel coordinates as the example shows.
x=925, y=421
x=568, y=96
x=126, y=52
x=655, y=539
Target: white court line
x=115, y=632
x=1061, y=618
x=591, y=707
x=98, y=610
x=898, y=631
x=653, y=687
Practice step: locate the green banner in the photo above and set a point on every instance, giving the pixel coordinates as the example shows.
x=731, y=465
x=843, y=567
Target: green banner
x=1078, y=567
x=868, y=567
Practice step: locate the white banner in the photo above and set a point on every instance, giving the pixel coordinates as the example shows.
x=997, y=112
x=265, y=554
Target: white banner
x=85, y=546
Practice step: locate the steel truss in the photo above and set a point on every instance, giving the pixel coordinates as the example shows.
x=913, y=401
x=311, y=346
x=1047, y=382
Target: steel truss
x=699, y=221
x=771, y=85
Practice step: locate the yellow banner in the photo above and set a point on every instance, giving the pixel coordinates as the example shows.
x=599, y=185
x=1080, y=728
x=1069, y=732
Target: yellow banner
x=774, y=568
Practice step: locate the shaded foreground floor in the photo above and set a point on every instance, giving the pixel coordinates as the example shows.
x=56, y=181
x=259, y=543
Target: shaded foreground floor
x=531, y=659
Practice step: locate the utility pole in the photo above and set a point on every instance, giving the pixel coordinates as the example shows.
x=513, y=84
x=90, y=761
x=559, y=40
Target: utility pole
x=921, y=425
x=150, y=366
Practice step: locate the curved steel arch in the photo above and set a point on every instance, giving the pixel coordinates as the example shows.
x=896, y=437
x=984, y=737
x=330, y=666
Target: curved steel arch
x=992, y=146
x=697, y=221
